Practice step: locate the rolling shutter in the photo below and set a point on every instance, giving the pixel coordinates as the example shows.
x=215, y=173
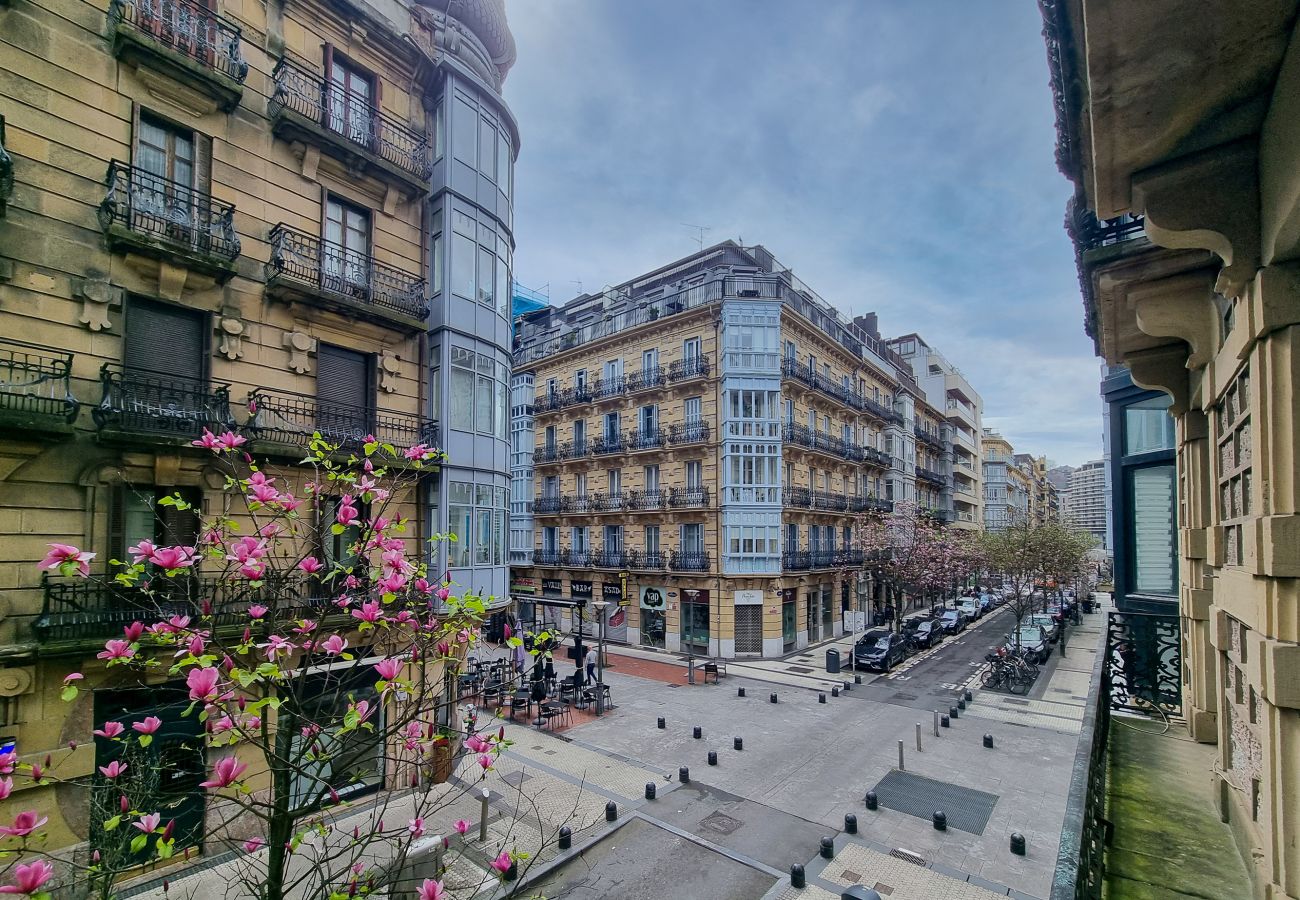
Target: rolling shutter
x=749, y=628
x=343, y=392
x=166, y=340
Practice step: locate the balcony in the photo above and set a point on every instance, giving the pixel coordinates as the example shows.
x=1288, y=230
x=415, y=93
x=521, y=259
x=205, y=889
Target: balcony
x=607, y=388
x=346, y=127
x=550, y=558
x=688, y=498
x=140, y=402
x=689, y=368
x=689, y=561
x=303, y=267
x=648, y=439
x=549, y=506
x=870, y=505
x=829, y=501
x=6, y=172
x=798, y=497
x=928, y=437
x=875, y=457
x=606, y=503
x=646, y=379
x=933, y=476
x=36, y=389
x=647, y=500
x=796, y=560
x=547, y=453
x=289, y=420
x=609, y=558
x=646, y=560
x=688, y=432
x=803, y=436
x=610, y=443
x=184, y=41
x=153, y=216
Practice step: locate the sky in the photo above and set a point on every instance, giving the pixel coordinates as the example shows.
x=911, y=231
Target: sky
x=898, y=156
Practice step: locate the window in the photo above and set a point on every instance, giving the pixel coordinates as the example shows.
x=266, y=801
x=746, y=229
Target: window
x=1154, y=530
x=439, y=128
x=579, y=379
x=1148, y=426
x=550, y=538
x=165, y=158
x=692, y=538
x=691, y=410
x=159, y=335
x=691, y=348
x=345, y=394
x=649, y=420
x=487, y=148
x=479, y=393
x=486, y=276
x=464, y=132
x=349, y=100
x=790, y=352
x=611, y=428
x=580, y=484
x=435, y=252
x=579, y=433
x=462, y=266
x=613, y=538
x=550, y=437
x=614, y=482
x=578, y=539
x=694, y=475
x=460, y=521
x=551, y=486
x=651, y=539
x=503, y=164
x=614, y=370
x=134, y=515
x=649, y=360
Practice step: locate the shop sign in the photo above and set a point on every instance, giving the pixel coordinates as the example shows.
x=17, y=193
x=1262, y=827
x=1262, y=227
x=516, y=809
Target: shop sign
x=611, y=593
x=653, y=597
x=749, y=598
x=523, y=586
x=580, y=590
x=552, y=587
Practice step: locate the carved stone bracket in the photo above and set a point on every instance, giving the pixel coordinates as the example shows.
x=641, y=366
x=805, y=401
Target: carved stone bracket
x=97, y=297
x=389, y=370
x=1181, y=306
x=230, y=333
x=1162, y=369
x=300, y=345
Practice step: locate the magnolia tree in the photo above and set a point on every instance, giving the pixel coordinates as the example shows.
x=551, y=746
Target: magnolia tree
x=301, y=676
x=1026, y=553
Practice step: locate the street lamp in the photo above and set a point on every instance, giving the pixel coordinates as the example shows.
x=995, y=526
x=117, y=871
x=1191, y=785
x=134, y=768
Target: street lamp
x=600, y=658
x=690, y=594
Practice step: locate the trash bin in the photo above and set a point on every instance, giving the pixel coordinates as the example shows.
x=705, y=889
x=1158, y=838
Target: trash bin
x=1087, y=605
x=832, y=661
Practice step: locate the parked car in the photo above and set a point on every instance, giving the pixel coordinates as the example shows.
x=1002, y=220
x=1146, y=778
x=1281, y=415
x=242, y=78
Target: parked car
x=1033, y=640
x=913, y=622
x=987, y=603
x=927, y=634
x=1050, y=624
x=969, y=607
x=952, y=622
x=879, y=650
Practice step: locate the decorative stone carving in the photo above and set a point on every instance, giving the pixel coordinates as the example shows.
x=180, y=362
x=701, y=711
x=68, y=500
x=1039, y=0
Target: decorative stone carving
x=1180, y=307
x=300, y=345
x=389, y=370
x=230, y=331
x=98, y=297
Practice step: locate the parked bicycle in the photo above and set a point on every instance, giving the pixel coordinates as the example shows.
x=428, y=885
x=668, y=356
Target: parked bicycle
x=1008, y=670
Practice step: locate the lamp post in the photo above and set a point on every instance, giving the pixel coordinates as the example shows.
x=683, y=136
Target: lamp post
x=599, y=606
x=579, y=654
x=691, y=594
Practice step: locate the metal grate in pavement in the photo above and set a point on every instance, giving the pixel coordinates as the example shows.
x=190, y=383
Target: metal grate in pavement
x=800, y=669
x=915, y=859
x=967, y=809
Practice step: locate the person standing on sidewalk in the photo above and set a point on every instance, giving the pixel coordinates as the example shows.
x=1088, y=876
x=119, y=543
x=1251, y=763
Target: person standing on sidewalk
x=591, y=665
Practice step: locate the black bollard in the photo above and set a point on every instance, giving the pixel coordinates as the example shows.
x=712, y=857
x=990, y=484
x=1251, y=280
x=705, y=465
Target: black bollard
x=796, y=876
x=650, y=790
x=953, y=713
x=684, y=775
x=1017, y=843
x=713, y=757
x=740, y=692
x=857, y=679
x=873, y=802
x=988, y=741
x=566, y=838
x=738, y=743
x=828, y=848
x=846, y=684
x=697, y=733
x=961, y=702
x=821, y=698
x=611, y=811
x=771, y=698
x=661, y=723
x=940, y=819
x=850, y=823
x=943, y=721
x=835, y=692
x=969, y=696
x=859, y=892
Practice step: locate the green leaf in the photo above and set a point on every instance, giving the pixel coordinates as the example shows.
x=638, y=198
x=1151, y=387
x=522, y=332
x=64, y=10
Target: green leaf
x=69, y=693
x=112, y=823
x=138, y=842
x=336, y=528
x=146, y=740
x=166, y=848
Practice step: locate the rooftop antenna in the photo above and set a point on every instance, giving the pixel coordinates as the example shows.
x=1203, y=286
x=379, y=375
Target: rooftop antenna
x=699, y=233
x=578, y=283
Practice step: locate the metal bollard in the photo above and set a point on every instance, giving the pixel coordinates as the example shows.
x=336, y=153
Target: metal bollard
x=1017, y=843
x=740, y=692
x=828, y=848
x=835, y=692
x=771, y=698
x=857, y=679
x=797, y=879
x=661, y=723
x=611, y=811
x=873, y=802
x=650, y=790
x=847, y=685
x=738, y=743
x=901, y=767
x=936, y=723
x=943, y=721
x=483, y=815
x=918, y=737
x=684, y=775
x=850, y=823
x=988, y=741
x=566, y=837
x=953, y=713
x=697, y=733
x=969, y=696
x=940, y=819
x=713, y=757
x=821, y=698
x=961, y=702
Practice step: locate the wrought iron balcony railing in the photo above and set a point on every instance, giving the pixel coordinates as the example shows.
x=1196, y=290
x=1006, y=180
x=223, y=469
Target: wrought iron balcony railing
x=604, y=388
x=646, y=560
x=603, y=503
x=690, y=367
x=647, y=500
x=283, y=417
x=158, y=214
x=35, y=383
x=609, y=558
x=829, y=501
x=688, y=498
x=926, y=436
x=689, y=561
x=610, y=443
x=549, y=506
x=869, y=504
x=796, y=560
x=350, y=118
x=320, y=268
x=547, y=453
x=140, y=401
x=931, y=475
x=1091, y=232
x=579, y=559
x=850, y=557
x=550, y=557
x=800, y=497
x=645, y=439
x=186, y=28
x=646, y=379
x=6, y=171
x=688, y=432
x=803, y=436
x=877, y=457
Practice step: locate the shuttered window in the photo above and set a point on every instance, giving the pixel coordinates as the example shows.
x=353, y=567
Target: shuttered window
x=165, y=339
x=344, y=393
x=134, y=515
x=749, y=629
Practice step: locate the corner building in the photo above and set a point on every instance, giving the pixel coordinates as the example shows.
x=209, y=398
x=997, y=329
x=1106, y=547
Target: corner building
x=704, y=438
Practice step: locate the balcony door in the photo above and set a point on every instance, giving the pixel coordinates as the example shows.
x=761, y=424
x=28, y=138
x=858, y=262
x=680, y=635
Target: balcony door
x=345, y=253
x=349, y=100
x=344, y=394
x=162, y=189
x=164, y=385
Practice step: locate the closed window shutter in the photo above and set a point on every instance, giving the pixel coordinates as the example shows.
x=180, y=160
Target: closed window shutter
x=166, y=340
x=180, y=526
x=202, y=163
x=1154, y=531
x=343, y=392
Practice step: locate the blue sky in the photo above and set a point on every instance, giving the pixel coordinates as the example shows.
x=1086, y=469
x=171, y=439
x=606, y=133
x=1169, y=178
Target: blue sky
x=898, y=156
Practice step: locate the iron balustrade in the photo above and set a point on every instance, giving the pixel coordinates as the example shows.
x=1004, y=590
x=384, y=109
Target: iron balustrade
x=605, y=388
x=36, y=381
x=186, y=28
x=646, y=379
x=926, y=436
x=1145, y=653
x=800, y=497
x=877, y=457
x=646, y=560
x=796, y=560
x=828, y=501
x=579, y=559
x=547, y=453
x=550, y=557
x=645, y=439
x=688, y=498
x=603, y=558
x=137, y=400
x=1091, y=232
x=689, y=561
x=688, y=432
x=284, y=417
x=350, y=117
x=647, y=500
x=803, y=436
x=690, y=367
x=547, y=506
x=850, y=557
x=822, y=559
x=307, y=261
x=931, y=475
x=580, y=503
x=604, y=503
x=153, y=208
x=610, y=443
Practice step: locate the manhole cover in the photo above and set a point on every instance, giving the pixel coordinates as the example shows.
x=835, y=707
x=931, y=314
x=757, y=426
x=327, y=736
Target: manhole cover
x=800, y=669
x=901, y=696
x=720, y=823
x=850, y=876
x=883, y=889
x=1016, y=702
x=967, y=809
x=515, y=779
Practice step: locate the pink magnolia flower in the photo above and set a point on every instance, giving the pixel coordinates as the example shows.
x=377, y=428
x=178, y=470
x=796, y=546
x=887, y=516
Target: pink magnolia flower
x=66, y=555
x=334, y=644
x=388, y=668
x=203, y=684
x=485, y=761
x=29, y=878
x=24, y=824
x=178, y=623
x=417, y=451
x=432, y=890
x=503, y=862
x=148, y=824
x=257, y=611
x=172, y=557
x=461, y=826
x=197, y=645
x=116, y=649
x=229, y=440
x=277, y=646
x=253, y=571
x=225, y=773
x=113, y=769
x=347, y=513
x=6, y=787
x=8, y=760
x=416, y=827
x=253, y=844
x=225, y=723
x=369, y=612
x=208, y=441
x=443, y=592
x=289, y=503
x=141, y=551
x=110, y=730
x=72, y=676
x=148, y=726
x=363, y=710
x=311, y=565
x=475, y=744
x=263, y=493
x=422, y=585
x=134, y=631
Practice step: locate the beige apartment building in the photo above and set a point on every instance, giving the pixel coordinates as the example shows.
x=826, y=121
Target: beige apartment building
x=704, y=440
x=211, y=215
x=1177, y=123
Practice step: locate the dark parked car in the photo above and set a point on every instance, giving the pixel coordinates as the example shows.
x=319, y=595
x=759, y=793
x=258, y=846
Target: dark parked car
x=927, y=634
x=952, y=622
x=879, y=650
